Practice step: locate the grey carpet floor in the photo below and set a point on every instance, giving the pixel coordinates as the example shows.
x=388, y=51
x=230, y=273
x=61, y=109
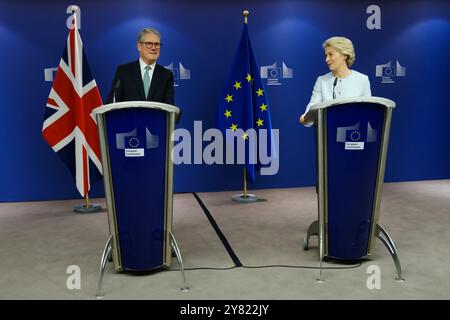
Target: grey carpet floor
x=40, y=240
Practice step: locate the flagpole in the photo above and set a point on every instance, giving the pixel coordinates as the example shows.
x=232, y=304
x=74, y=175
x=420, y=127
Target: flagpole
x=245, y=197
x=87, y=208
x=74, y=12
x=87, y=200
x=246, y=14
x=245, y=183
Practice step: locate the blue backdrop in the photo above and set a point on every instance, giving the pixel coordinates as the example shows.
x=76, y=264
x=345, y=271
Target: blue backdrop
x=202, y=36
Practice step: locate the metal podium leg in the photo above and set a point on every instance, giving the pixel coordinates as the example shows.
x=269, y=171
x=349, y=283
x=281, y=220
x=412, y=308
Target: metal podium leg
x=313, y=230
x=389, y=243
x=176, y=249
x=105, y=256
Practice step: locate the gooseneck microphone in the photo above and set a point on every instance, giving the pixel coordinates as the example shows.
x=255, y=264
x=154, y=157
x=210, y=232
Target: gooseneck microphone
x=334, y=87
x=116, y=87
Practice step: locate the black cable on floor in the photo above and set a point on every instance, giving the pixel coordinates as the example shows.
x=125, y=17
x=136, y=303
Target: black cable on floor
x=302, y=267
x=220, y=234
x=237, y=262
x=206, y=268
x=272, y=266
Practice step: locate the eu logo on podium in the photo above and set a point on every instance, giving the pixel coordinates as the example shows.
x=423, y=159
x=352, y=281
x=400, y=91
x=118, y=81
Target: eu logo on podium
x=133, y=145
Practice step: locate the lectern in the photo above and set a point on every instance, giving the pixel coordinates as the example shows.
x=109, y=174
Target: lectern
x=136, y=147
x=352, y=137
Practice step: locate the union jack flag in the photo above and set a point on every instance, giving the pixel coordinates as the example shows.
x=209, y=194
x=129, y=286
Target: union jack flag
x=69, y=127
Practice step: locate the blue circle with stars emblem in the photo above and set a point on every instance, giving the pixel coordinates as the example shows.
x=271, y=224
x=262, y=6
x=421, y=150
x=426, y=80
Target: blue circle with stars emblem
x=355, y=135
x=134, y=142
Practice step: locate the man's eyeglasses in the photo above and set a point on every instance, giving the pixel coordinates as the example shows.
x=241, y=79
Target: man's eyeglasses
x=157, y=45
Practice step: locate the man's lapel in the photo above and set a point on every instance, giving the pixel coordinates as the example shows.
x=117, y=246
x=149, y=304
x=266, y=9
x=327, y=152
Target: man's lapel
x=137, y=77
x=154, y=83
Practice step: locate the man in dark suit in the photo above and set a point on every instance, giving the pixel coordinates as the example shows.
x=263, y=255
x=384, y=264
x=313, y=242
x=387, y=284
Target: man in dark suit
x=144, y=79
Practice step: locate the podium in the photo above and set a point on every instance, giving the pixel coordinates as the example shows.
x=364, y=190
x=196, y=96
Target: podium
x=352, y=137
x=136, y=147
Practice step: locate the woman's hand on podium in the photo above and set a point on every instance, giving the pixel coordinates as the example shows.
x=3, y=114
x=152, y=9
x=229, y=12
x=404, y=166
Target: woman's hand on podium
x=302, y=119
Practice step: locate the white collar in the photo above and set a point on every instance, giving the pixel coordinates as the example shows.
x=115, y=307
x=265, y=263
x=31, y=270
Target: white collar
x=142, y=64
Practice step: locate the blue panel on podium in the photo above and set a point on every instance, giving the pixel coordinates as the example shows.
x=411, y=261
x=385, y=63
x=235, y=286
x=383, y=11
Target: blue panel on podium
x=354, y=134
x=137, y=147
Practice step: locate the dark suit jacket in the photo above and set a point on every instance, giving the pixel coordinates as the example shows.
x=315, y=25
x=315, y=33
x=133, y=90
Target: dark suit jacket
x=131, y=86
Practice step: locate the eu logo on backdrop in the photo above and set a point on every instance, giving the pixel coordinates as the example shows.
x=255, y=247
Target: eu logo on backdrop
x=179, y=73
x=273, y=73
x=388, y=71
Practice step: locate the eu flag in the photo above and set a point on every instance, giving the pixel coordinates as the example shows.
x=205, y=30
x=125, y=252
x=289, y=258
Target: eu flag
x=244, y=106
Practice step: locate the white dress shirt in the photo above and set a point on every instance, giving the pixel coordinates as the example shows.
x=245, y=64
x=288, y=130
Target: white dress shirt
x=355, y=84
x=150, y=72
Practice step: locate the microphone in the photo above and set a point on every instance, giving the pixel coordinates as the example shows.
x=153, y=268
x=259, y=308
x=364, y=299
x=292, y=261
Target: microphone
x=334, y=87
x=116, y=87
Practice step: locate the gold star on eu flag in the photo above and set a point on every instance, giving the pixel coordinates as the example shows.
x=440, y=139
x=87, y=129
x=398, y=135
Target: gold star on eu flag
x=260, y=122
x=260, y=92
x=227, y=113
x=263, y=107
x=229, y=98
x=249, y=77
x=233, y=127
x=245, y=136
x=237, y=85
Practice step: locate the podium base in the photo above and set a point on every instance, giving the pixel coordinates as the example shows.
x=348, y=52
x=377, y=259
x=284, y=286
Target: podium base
x=241, y=198
x=92, y=208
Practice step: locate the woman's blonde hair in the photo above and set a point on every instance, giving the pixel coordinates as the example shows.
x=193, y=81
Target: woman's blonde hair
x=344, y=46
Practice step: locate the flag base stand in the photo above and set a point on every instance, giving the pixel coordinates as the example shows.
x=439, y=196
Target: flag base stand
x=242, y=198
x=91, y=208
x=245, y=197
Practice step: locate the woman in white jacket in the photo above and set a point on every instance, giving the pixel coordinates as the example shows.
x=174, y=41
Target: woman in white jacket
x=341, y=81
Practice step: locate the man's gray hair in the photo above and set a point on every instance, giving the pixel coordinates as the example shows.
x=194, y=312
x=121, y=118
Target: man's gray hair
x=148, y=30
